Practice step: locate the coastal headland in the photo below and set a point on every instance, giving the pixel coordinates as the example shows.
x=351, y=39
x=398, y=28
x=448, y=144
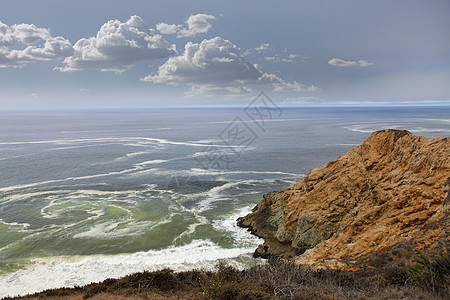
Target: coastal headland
x=388, y=197
x=373, y=224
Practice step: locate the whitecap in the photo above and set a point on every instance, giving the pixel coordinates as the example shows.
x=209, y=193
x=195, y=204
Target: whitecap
x=133, y=154
x=105, y=139
x=68, y=271
x=206, y=141
x=217, y=194
x=242, y=237
x=100, y=230
x=14, y=224
x=108, y=230
x=22, y=186
x=217, y=172
x=153, y=162
x=201, y=220
x=81, y=146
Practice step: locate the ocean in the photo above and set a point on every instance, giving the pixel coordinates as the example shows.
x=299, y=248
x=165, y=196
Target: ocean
x=90, y=195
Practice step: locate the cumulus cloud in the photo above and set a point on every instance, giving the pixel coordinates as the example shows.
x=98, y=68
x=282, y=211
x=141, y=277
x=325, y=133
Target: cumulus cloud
x=38, y=43
x=6, y=35
x=165, y=28
x=29, y=34
x=195, y=24
x=279, y=85
x=211, y=62
x=336, y=62
x=117, y=46
x=54, y=47
x=215, y=66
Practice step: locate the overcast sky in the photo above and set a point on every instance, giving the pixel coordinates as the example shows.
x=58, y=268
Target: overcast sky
x=106, y=53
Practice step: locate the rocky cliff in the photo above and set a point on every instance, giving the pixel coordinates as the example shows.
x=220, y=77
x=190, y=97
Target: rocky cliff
x=389, y=194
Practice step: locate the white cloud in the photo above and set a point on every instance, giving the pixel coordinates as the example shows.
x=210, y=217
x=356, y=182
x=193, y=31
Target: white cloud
x=364, y=63
x=216, y=66
x=29, y=34
x=280, y=85
x=40, y=45
x=294, y=86
x=290, y=58
x=195, y=24
x=272, y=58
x=262, y=47
x=54, y=47
x=165, y=28
x=336, y=62
x=6, y=35
x=214, y=62
x=117, y=46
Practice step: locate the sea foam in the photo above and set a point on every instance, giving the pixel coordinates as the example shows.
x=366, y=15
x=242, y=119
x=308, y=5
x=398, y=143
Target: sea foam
x=68, y=271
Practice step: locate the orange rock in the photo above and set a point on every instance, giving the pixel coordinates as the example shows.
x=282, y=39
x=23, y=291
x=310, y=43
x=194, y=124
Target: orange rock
x=391, y=189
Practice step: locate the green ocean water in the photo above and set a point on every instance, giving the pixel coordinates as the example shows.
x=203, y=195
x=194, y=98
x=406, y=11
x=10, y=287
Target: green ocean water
x=96, y=194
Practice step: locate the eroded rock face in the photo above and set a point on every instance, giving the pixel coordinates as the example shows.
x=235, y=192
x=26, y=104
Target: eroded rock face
x=391, y=189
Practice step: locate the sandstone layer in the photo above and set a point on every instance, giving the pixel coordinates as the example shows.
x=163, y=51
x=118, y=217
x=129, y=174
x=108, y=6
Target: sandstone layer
x=391, y=190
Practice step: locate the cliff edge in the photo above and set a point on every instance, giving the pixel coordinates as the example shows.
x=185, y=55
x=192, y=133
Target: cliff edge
x=384, y=198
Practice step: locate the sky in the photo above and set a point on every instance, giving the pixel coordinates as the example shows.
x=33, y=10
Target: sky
x=57, y=54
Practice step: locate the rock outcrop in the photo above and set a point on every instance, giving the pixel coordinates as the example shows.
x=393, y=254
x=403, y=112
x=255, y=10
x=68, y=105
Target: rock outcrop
x=391, y=190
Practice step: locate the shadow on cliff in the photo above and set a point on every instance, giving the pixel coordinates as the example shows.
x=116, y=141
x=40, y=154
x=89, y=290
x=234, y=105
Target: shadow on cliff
x=375, y=205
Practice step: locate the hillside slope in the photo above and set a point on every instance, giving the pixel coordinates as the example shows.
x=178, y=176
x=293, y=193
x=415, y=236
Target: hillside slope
x=391, y=192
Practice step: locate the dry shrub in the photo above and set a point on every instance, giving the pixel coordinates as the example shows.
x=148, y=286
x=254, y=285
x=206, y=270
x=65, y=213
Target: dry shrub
x=280, y=279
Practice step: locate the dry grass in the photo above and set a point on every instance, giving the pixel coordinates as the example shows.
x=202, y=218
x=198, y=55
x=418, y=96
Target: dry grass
x=426, y=279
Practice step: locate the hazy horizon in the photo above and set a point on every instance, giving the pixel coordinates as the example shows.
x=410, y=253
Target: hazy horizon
x=114, y=54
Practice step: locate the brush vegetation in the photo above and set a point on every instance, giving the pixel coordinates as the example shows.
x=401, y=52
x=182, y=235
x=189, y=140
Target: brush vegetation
x=425, y=278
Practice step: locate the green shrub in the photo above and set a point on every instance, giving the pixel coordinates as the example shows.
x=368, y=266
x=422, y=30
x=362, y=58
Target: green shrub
x=430, y=273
